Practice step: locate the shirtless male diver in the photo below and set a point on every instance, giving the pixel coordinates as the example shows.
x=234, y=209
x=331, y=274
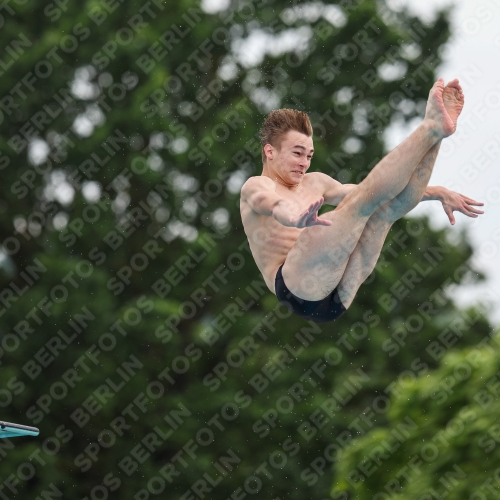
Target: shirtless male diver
x=315, y=265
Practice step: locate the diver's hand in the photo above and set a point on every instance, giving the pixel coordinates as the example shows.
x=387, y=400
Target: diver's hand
x=285, y=213
x=456, y=202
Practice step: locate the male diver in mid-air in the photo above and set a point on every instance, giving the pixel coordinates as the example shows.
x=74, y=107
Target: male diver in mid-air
x=315, y=265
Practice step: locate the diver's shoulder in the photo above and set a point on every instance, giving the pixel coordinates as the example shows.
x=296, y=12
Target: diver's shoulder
x=316, y=178
x=258, y=181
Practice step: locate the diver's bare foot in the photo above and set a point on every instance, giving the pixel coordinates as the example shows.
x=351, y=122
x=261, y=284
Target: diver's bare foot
x=443, y=119
x=453, y=99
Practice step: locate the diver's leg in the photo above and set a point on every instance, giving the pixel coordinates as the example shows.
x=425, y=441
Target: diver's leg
x=367, y=251
x=317, y=262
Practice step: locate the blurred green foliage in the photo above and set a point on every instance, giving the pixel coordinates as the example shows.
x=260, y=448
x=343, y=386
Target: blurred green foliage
x=441, y=438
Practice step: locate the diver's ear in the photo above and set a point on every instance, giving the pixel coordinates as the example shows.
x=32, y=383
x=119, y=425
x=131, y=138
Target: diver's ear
x=269, y=151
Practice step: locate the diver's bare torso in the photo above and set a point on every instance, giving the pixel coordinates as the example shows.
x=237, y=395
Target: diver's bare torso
x=269, y=240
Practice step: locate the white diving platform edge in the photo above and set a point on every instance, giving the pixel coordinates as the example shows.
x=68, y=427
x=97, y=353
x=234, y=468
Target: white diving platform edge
x=9, y=430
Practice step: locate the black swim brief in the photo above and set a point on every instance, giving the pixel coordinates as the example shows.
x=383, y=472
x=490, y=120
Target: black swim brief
x=319, y=311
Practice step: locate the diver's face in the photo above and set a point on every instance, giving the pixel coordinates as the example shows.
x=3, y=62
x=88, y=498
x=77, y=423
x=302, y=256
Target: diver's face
x=293, y=158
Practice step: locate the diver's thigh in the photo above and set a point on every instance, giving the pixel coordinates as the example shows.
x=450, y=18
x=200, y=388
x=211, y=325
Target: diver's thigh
x=316, y=263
